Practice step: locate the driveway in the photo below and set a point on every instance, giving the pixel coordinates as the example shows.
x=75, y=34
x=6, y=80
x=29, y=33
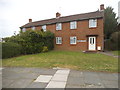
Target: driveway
x=19, y=77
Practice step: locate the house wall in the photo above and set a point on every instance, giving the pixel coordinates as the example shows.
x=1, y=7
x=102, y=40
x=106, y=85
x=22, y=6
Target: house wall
x=81, y=32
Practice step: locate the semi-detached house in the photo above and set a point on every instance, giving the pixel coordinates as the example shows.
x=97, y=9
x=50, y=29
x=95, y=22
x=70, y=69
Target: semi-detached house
x=80, y=32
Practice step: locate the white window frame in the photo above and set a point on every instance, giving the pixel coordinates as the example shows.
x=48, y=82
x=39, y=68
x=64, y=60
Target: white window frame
x=92, y=23
x=73, y=25
x=72, y=41
x=44, y=28
x=58, y=40
x=24, y=30
x=33, y=28
x=58, y=26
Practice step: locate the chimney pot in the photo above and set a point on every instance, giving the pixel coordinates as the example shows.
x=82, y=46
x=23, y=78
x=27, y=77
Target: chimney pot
x=58, y=15
x=30, y=20
x=102, y=7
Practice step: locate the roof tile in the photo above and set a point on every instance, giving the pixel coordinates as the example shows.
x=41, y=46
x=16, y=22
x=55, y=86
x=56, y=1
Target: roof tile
x=96, y=14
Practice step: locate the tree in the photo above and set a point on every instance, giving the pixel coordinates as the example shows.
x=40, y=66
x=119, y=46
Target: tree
x=110, y=22
x=118, y=27
x=33, y=41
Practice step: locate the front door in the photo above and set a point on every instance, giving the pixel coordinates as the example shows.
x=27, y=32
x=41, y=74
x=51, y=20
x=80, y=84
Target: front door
x=92, y=43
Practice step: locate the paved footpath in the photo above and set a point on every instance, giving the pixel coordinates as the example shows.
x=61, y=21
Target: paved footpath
x=17, y=77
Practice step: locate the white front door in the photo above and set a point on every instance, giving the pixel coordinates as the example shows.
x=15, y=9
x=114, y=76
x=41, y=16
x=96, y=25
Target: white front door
x=92, y=43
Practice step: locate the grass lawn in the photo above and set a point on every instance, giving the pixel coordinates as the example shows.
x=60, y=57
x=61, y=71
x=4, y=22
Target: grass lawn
x=116, y=52
x=66, y=59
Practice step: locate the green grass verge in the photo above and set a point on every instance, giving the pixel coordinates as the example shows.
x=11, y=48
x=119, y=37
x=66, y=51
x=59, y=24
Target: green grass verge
x=116, y=52
x=66, y=59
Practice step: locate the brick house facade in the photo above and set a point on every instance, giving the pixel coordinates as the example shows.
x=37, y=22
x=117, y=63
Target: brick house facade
x=81, y=32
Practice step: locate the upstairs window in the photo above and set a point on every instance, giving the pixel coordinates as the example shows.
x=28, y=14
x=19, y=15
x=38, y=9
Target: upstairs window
x=58, y=26
x=73, y=40
x=24, y=30
x=44, y=28
x=33, y=28
x=58, y=40
x=73, y=25
x=92, y=23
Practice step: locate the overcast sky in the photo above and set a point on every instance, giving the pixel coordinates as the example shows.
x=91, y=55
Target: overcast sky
x=15, y=13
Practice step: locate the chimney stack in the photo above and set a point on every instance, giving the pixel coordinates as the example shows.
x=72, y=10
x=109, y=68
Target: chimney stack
x=58, y=15
x=30, y=20
x=101, y=7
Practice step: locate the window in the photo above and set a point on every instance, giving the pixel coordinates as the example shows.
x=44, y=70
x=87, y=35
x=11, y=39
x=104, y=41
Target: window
x=24, y=29
x=92, y=23
x=73, y=25
x=44, y=28
x=58, y=40
x=58, y=26
x=33, y=28
x=73, y=40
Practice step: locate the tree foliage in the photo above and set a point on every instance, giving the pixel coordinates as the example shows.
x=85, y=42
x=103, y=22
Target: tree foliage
x=33, y=41
x=10, y=49
x=110, y=22
x=114, y=42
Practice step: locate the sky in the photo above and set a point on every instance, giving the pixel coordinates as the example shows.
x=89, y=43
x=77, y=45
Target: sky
x=15, y=13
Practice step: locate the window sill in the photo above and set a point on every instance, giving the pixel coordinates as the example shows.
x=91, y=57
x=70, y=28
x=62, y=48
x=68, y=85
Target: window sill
x=92, y=27
x=58, y=44
x=74, y=29
x=58, y=30
x=73, y=44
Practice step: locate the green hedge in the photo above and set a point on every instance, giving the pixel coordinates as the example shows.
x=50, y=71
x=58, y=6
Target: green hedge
x=113, y=43
x=33, y=41
x=10, y=49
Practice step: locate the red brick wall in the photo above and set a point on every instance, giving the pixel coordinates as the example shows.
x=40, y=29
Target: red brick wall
x=81, y=32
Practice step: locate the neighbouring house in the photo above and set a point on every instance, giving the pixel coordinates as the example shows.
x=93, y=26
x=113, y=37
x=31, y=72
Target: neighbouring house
x=80, y=32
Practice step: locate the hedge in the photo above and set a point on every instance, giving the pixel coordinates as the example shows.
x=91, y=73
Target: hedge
x=10, y=49
x=33, y=41
x=113, y=43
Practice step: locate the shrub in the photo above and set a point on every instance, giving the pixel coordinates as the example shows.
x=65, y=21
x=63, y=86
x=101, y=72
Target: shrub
x=49, y=40
x=33, y=41
x=113, y=43
x=10, y=49
x=45, y=49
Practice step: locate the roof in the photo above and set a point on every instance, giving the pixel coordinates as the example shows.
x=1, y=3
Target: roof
x=84, y=16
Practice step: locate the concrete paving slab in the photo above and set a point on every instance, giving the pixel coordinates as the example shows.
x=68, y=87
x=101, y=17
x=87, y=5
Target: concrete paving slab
x=37, y=85
x=73, y=86
x=111, y=86
x=110, y=82
x=29, y=75
x=6, y=82
x=75, y=81
x=21, y=83
x=91, y=74
x=56, y=84
x=107, y=76
x=24, y=78
x=93, y=86
x=74, y=73
x=63, y=72
x=60, y=77
x=43, y=78
x=92, y=80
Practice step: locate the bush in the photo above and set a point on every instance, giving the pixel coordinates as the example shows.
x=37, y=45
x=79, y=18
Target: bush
x=33, y=41
x=45, y=49
x=10, y=49
x=113, y=43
